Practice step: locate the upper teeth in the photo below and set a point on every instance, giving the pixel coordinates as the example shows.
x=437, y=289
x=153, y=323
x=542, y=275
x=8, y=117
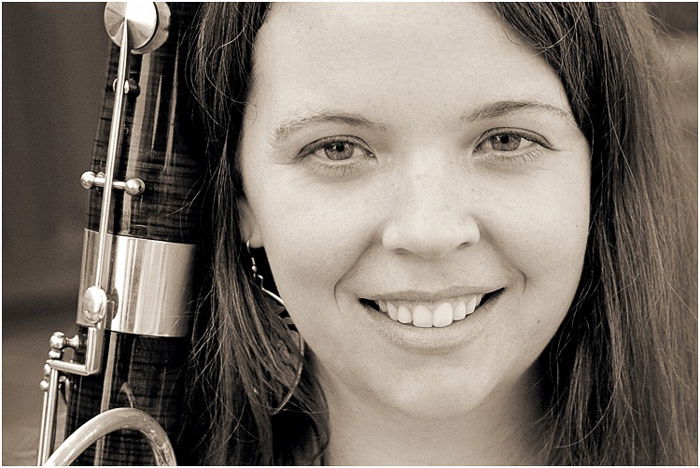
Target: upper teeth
x=431, y=314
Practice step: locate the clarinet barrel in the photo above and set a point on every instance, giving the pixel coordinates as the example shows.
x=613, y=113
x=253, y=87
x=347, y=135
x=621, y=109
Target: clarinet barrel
x=136, y=287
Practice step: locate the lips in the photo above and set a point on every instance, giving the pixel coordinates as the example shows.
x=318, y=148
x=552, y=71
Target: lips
x=428, y=314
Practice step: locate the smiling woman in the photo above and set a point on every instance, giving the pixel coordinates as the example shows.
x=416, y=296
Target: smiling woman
x=468, y=226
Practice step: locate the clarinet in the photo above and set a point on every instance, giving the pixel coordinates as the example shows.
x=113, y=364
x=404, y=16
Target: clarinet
x=122, y=373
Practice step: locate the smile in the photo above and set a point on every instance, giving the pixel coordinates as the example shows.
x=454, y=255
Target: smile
x=428, y=314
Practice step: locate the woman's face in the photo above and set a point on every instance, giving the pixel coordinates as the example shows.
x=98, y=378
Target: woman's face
x=418, y=159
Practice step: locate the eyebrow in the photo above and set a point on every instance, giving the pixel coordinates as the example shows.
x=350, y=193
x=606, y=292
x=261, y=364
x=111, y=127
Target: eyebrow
x=487, y=111
x=499, y=109
x=288, y=127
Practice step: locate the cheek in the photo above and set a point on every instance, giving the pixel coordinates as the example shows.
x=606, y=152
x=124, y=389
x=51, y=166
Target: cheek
x=312, y=242
x=541, y=223
x=541, y=233
x=313, y=236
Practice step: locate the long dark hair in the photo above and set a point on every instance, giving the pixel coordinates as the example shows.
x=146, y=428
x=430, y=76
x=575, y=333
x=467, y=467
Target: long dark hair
x=621, y=368
x=620, y=372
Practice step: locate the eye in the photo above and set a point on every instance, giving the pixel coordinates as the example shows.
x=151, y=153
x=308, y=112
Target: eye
x=336, y=156
x=506, y=141
x=510, y=144
x=339, y=148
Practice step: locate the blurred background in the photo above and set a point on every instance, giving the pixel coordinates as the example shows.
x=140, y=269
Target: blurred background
x=54, y=60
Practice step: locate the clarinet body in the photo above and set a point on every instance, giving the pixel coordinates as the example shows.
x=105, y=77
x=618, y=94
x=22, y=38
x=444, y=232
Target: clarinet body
x=136, y=284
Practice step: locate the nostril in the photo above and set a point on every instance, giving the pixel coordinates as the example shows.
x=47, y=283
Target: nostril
x=464, y=245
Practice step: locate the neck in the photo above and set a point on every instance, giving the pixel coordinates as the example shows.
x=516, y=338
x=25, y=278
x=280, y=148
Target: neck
x=500, y=431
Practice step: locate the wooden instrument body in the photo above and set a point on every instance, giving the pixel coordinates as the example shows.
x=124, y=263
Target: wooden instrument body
x=147, y=374
x=159, y=146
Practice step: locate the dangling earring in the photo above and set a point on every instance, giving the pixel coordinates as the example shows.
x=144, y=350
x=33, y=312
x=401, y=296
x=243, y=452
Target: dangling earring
x=289, y=324
x=258, y=279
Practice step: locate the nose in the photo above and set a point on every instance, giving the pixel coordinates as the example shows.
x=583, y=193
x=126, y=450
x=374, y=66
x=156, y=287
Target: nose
x=432, y=214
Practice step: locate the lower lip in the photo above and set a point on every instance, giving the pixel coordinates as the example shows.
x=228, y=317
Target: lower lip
x=433, y=340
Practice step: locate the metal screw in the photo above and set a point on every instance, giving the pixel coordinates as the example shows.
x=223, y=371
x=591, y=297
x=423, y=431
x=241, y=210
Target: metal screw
x=73, y=342
x=87, y=180
x=57, y=341
x=129, y=87
x=94, y=304
x=134, y=186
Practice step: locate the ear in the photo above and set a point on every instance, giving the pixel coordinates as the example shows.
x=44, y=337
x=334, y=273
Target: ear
x=249, y=228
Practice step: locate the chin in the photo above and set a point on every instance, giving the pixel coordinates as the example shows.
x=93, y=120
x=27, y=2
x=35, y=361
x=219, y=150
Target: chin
x=431, y=397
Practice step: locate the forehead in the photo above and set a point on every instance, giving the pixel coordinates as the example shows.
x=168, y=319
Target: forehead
x=395, y=57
